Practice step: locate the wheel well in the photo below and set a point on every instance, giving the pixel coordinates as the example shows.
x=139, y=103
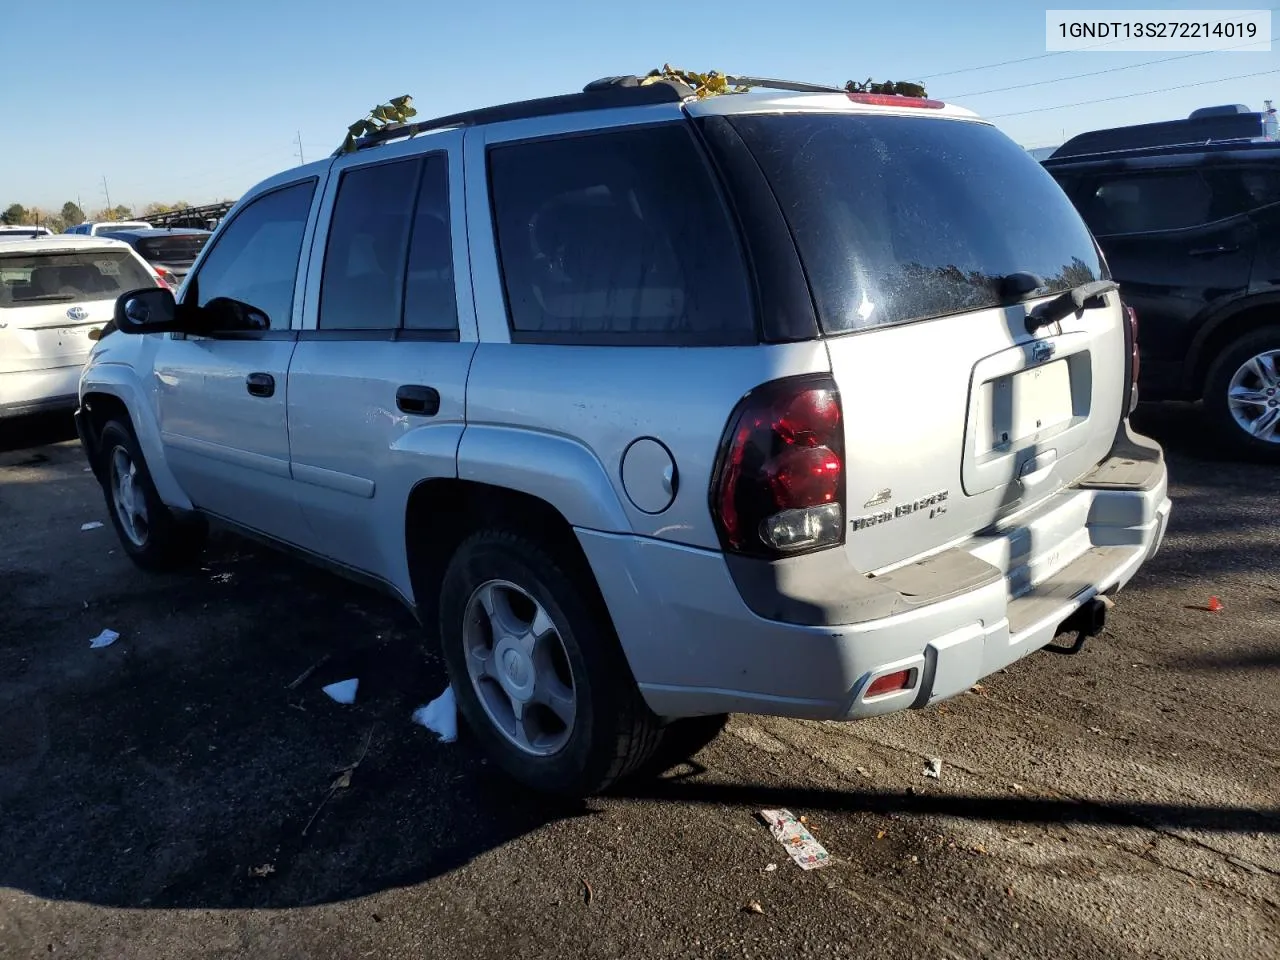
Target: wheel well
x=99, y=409
x=442, y=513
x=1234, y=327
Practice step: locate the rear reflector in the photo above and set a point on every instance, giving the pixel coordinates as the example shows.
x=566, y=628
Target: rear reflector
x=894, y=100
x=890, y=683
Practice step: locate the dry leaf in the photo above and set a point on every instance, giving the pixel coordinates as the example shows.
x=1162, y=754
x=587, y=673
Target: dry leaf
x=754, y=907
x=587, y=893
x=343, y=781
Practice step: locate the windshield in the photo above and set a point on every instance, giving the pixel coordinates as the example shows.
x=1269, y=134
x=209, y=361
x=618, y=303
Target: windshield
x=183, y=248
x=27, y=280
x=905, y=218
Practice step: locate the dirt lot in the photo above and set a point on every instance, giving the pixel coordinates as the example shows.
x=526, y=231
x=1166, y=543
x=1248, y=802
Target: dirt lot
x=1121, y=803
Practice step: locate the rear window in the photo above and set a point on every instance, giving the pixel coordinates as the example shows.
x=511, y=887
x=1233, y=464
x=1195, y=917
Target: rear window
x=180, y=249
x=69, y=277
x=907, y=218
x=618, y=237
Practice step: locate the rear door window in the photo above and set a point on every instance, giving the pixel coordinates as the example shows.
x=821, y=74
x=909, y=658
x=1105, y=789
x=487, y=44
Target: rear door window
x=618, y=237
x=1146, y=202
x=905, y=218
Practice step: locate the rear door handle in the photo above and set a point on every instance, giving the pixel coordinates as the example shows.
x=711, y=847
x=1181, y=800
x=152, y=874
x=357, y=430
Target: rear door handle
x=260, y=384
x=1213, y=251
x=417, y=399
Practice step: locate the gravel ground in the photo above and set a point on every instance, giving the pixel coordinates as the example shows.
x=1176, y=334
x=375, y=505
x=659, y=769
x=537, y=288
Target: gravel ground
x=165, y=797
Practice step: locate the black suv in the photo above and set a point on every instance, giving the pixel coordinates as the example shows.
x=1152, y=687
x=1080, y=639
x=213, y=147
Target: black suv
x=1187, y=214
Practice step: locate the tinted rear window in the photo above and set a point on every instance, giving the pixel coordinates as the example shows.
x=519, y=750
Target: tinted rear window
x=69, y=277
x=618, y=237
x=183, y=248
x=907, y=218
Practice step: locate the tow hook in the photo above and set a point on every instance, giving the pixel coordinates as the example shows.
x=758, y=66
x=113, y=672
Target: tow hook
x=1088, y=621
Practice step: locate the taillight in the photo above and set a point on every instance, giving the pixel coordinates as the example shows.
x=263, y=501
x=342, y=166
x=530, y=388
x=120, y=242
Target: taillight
x=165, y=277
x=778, y=487
x=1134, y=364
x=894, y=100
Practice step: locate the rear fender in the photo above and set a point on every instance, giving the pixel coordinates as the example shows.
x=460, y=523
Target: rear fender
x=563, y=472
x=1205, y=342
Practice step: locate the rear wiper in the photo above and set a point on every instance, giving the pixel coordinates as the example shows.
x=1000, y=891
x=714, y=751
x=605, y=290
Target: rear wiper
x=1077, y=298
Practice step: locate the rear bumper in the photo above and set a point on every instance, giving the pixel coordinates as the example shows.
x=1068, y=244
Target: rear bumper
x=38, y=391
x=696, y=647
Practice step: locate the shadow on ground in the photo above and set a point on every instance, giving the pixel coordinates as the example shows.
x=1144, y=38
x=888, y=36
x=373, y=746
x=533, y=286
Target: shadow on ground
x=188, y=766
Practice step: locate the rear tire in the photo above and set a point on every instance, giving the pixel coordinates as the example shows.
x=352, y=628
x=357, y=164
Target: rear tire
x=152, y=535
x=1242, y=396
x=537, y=670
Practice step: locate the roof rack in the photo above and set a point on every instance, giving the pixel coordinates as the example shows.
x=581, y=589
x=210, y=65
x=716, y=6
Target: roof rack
x=1214, y=128
x=602, y=94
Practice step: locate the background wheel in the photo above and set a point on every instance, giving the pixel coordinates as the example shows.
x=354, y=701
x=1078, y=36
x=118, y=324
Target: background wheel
x=1242, y=396
x=151, y=534
x=536, y=667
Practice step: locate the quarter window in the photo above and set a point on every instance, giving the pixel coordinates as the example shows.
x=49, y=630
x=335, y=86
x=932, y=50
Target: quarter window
x=254, y=263
x=617, y=237
x=1148, y=202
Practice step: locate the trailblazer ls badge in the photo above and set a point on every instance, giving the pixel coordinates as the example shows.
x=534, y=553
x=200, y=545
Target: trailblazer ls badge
x=935, y=503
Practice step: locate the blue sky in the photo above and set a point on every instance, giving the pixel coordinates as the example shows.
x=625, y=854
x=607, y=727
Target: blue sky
x=182, y=100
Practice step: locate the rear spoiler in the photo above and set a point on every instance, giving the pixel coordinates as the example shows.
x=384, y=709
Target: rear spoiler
x=1169, y=133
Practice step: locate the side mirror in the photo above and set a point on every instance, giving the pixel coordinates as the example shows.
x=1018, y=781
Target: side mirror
x=148, y=310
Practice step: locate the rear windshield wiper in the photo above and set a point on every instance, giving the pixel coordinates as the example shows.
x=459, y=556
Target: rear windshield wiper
x=1077, y=298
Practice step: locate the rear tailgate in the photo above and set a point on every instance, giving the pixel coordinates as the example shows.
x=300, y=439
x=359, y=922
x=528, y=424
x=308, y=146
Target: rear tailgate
x=50, y=300
x=956, y=417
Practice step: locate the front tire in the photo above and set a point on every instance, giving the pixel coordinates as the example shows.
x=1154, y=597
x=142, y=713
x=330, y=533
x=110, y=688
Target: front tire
x=1242, y=396
x=536, y=667
x=154, y=537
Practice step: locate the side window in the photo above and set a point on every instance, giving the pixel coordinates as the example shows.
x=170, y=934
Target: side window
x=1139, y=203
x=389, y=238
x=1261, y=187
x=254, y=263
x=617, y=237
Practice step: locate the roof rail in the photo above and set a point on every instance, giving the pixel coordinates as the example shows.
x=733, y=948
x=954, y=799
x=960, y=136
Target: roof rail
x=1206, y=129
x=602, y=94
x=599, y=95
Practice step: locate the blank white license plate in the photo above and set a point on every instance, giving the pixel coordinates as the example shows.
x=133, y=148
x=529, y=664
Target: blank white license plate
x=1022, y=404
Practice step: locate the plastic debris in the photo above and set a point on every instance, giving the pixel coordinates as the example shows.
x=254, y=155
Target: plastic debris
x=864, y=772
x=221, y=577
x=440, y=716
x=934, y=769
x=753, y=907
x=263, y=871
x=807, y=852
x=1214, y=604
x=91, y=525
x=105, y=639
x=770, y=868
x=344, y=691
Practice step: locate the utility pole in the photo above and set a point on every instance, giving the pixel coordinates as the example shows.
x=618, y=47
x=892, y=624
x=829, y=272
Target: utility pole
x=108, y=196
x=301, y=159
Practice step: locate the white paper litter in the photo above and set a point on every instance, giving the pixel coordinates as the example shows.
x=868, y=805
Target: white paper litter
x=344, y=691
x=440, y=716
x=91, y=525
x=105, y=639
x=934, y=769
x=807, y=852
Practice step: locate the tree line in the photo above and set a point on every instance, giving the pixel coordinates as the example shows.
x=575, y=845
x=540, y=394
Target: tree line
x=17, y=215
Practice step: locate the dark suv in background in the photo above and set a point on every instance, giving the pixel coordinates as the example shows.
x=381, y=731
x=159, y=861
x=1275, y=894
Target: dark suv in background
x=170, y=251
x=1187, y=214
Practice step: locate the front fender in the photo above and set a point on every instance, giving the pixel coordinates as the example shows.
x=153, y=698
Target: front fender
x=122, y=382
x=563, y=472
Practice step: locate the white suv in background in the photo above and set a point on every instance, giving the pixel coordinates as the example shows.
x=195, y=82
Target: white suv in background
x=54, y=292
x=106, y=226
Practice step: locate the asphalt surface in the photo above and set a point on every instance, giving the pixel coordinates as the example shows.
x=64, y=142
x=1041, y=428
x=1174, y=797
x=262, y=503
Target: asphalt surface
x=171, y=796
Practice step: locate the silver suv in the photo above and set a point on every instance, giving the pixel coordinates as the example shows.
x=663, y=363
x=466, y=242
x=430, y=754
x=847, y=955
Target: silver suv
x=655, y=407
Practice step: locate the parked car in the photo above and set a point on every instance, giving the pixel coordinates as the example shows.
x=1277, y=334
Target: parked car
x=54, y=293
x=171, y=251
x=652, y=407
x=1190, y=227
x=15, y=231
x=107, y=226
